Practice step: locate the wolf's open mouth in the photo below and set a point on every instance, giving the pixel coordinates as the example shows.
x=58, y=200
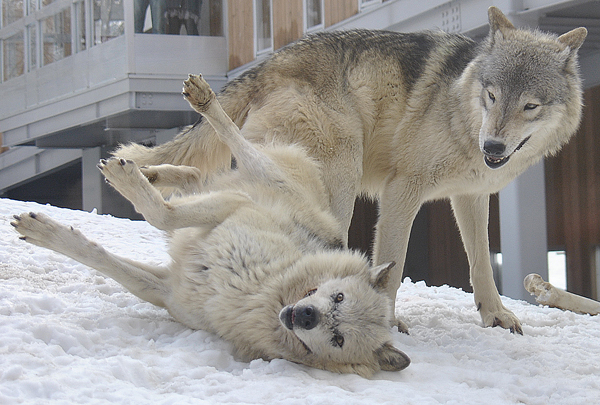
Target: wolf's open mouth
x=495, y=162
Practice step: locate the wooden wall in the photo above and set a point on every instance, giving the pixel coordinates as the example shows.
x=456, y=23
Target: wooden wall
x=339, y=10
x=573, y=199
x=288, y=24
x=240, y=15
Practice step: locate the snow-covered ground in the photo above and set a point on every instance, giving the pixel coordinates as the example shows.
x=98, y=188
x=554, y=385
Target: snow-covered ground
x=70, y=335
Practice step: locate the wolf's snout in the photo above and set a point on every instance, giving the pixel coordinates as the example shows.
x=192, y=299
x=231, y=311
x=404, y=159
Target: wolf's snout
x=494, y=148
x=494, y=154
x=306, y=317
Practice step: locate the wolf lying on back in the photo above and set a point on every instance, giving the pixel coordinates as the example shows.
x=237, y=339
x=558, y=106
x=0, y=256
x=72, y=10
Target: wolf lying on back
x=407, y=118
x=257, y=256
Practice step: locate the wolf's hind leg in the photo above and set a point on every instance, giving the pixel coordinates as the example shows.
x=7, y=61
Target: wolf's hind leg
x=147, y=282
x=256, y=164
x=207, y=210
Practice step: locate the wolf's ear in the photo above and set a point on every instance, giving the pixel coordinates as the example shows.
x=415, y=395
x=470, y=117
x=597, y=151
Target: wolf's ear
x=498, y=21
x=574, y=38
x=391, y=359
x=380, y=275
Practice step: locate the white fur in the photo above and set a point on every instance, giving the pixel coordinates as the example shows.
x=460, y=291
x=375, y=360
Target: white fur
x=249, y=244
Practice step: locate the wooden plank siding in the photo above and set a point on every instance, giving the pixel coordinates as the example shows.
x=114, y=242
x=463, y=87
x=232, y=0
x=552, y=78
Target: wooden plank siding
x=573, y=199
x=339, y=10
x=288, y=22
x=240, y=15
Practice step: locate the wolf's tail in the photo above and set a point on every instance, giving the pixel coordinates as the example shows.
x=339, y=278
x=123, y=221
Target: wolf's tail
x=199, y=145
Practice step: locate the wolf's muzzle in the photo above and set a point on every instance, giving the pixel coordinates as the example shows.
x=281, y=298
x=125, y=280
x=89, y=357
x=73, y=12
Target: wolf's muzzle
x=304, y=317
x=494, y=153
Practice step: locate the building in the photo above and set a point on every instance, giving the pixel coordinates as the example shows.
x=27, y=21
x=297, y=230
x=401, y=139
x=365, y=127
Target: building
x=79, y=76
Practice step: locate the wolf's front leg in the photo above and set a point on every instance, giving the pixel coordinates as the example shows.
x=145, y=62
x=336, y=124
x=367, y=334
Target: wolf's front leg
x=185, y=178
x=206, y=210
x=128, y=180
x=147, y=282
x=471, y=213
x=250, y=160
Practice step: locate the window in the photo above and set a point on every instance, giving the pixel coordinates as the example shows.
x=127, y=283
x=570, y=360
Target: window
x=12, y=10
x=366, y=3
x=32, y=52
x=13, y=56
x=80, y=42
x=262, y=26
x=557, y=267
x=313, y=15
x=108, y=20
x=56, y=36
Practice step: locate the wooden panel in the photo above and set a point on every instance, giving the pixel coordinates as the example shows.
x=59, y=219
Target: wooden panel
x=448, y=262
x=241, y=32
x=287, y=22
x=339, y=10
x=362, y=228
x=573, y=199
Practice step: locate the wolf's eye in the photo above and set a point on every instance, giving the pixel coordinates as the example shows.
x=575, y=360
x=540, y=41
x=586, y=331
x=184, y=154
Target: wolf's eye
x=530, y=106
x=338, y=340
x=339, y=298
x=310, y=292
x=491, y=96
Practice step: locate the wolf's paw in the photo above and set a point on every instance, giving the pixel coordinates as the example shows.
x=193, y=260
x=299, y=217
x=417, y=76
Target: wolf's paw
x=123, y=175
x=41, y=230
x=402, y=327
x=184, y=177
x=503, y=318
x=198, y=93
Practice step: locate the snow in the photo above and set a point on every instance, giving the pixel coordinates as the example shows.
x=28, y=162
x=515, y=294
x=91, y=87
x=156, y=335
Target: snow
x=70, y=335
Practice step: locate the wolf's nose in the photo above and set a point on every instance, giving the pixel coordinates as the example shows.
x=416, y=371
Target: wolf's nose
x=494, y=148
x=306, y=317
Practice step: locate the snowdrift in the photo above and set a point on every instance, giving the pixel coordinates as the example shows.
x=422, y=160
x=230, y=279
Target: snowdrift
x=70, y=335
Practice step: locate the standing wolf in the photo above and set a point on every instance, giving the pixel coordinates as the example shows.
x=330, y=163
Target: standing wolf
x=256, y=252
x=407, y=118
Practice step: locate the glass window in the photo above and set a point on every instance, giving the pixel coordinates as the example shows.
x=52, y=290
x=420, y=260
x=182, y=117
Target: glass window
x=56, y=36
x=32, y=39
x=12, y=10
x=262, y=26
x=13, y=56
x=32, y=5
x=108, y=20
x=366, y=3
x=80, y=40
x=314, y=14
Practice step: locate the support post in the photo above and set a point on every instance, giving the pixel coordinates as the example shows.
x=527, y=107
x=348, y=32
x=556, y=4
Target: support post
x=523, y=235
